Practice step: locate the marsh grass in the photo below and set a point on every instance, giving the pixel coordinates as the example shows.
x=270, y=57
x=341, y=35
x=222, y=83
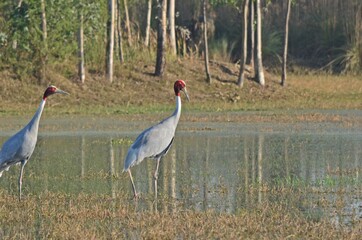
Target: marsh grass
x=88, y=216
x=286, y=208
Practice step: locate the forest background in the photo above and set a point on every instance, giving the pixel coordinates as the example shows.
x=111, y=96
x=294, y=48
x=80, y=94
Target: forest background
x=67, y=43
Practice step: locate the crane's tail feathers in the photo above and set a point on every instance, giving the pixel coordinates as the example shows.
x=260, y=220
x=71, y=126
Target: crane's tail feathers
x=1, y=173
x=131, y=160
x=126, y=168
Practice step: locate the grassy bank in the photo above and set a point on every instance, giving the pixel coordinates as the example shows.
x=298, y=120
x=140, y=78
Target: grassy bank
x=135, y=90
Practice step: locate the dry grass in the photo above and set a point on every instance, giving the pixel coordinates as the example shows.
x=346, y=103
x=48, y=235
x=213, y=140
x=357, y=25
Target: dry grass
x=135, y=90
x=62, y=216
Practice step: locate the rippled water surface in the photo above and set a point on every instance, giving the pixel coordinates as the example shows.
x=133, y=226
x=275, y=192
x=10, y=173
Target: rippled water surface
x=222, y=166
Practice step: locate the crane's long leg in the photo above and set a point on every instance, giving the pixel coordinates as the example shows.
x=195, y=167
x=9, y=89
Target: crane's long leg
x=21, y=177
x=155, y=175
x=133, y=186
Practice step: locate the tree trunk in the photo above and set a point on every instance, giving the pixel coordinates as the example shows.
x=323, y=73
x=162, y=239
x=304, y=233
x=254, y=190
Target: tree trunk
x=251, y=45
x=161, y=38
x=172, y=27
x=148, y=24
x=206, y=48
x=284, y=67
x=110, y=41
x=44, y=52
x=119, y=33
x=128, y=25
x=245, y=44
x=43, y=21
x=81, y=70
x=358, y=33
x=259, y=71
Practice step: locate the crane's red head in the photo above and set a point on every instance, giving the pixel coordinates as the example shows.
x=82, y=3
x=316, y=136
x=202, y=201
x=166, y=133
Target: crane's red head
x=179, y=86
x=51, y=90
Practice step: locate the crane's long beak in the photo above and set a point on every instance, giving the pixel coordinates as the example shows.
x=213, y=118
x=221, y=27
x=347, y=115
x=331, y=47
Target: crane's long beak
x=187, y=95
x=61, y=92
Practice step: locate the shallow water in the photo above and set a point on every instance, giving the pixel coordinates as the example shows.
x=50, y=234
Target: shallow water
x=222, y=166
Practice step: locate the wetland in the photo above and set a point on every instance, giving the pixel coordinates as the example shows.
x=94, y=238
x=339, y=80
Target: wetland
x=256, y=175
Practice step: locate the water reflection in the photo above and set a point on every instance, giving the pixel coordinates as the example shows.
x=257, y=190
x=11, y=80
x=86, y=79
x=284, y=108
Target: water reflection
x=206, y=170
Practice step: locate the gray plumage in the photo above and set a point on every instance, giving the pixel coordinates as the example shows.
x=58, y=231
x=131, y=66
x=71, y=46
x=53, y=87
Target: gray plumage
x=155, y=141
x=19, y=148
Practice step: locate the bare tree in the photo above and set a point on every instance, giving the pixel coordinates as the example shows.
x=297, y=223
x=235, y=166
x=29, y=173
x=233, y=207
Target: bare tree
x=45, y=45
x=172, y=27
x=284, y=66
x=250, y=60
x=128, y=25
x=81, y=69
x=161, y=37
x=119, y=33
x=43, y=22
x=358, y=32
x=110, y=41
x=206, y=48
x=15, y=41
x=259, y=71
x=19, y=3
x=148, y=24
x=245, y=44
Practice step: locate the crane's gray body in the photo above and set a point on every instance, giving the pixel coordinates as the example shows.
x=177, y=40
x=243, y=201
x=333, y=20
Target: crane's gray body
x=20, y=146
x=155, y=141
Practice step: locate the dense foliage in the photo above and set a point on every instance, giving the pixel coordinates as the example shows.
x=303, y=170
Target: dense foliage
x=323, y=34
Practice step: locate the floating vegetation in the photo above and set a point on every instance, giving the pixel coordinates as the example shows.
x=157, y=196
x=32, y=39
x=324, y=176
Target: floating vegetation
x=122, y=141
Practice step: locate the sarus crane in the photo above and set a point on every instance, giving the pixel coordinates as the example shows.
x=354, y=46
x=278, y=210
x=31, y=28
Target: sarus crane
x=155, y=141
x=19, y=148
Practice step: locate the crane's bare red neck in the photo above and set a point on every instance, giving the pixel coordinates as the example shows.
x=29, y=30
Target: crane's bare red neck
x=49, y=91
x=178, y=86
